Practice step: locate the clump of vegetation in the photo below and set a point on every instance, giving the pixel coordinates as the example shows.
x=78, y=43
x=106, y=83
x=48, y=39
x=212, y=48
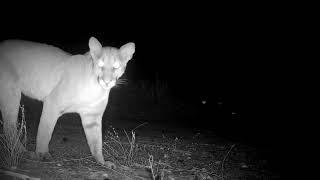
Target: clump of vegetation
x=120, y=151
x=131, y=155
x=12, y=144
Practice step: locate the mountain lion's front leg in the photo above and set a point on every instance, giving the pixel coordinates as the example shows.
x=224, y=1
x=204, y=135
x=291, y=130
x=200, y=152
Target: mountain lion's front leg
x=92, y=125
x=49, y=117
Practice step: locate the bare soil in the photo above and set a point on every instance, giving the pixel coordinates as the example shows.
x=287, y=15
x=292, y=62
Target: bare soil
x=178, y=152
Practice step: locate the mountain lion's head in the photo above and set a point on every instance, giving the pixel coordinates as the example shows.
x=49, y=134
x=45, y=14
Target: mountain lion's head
x=109, y=63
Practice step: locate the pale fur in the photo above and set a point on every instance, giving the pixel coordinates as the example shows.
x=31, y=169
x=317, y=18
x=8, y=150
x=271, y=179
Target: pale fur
x=64, y=82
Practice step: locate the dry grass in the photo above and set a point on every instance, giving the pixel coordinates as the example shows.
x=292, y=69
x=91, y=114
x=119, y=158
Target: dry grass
x=127, y=153
x=120, y=151
x=13, y=144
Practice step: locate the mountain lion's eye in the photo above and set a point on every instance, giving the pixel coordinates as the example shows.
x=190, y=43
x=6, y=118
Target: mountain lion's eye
x=100, y=63
x=116, y=65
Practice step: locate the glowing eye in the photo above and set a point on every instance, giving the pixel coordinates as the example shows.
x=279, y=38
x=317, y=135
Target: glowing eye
x=116, y=65
x=100, y=63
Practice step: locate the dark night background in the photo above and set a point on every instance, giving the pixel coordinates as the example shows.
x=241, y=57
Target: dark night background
x=220, y=56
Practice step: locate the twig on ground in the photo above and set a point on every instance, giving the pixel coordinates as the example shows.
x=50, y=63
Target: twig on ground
x=225, y=157
x=151, y=166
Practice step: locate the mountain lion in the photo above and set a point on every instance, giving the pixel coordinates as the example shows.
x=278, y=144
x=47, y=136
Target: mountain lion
x=64, y=82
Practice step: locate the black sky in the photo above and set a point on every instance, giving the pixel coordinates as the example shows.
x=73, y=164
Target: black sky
x=201, y=51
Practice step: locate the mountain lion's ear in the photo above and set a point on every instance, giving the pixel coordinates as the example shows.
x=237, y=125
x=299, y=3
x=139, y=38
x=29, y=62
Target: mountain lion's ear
x=95, y=48
x=127, y=51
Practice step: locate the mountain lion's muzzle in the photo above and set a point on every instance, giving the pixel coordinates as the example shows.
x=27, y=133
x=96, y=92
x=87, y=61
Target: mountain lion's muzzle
x=106, y=85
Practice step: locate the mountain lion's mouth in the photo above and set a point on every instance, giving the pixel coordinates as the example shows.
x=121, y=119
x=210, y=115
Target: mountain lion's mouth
x=106, y=85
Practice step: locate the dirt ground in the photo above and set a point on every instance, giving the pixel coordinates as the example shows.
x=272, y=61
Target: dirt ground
x=163, y=148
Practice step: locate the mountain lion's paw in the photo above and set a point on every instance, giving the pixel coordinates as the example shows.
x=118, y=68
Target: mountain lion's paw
x=40, y=156
x=110, y=164
x=45, y=156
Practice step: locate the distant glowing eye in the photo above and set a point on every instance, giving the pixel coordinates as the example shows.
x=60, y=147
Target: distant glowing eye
x=100, y=63
x=116, y=65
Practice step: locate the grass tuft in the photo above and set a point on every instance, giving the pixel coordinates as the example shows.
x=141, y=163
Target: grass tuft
x=12, y=144
x=120, y=151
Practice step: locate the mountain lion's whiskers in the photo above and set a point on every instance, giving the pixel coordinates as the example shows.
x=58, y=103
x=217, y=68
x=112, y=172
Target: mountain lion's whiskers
x=122, y=81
